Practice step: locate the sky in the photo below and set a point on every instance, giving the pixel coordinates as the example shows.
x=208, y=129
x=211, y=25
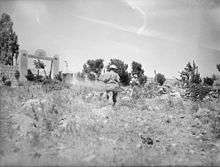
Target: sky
x=162, y=35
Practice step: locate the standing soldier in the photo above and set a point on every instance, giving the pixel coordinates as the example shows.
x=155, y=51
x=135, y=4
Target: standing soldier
x=112, y=81
x=134, y=84
x=216, y=85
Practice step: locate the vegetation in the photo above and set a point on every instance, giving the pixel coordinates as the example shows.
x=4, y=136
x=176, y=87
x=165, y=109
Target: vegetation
x=30, y=76
x=136, y=69
x=208, y=81
x=121, y=70
x=39, y=65
x=160, y=78
x=93, y=68
x=218, y=67
x=8, y=41
x=59, y=77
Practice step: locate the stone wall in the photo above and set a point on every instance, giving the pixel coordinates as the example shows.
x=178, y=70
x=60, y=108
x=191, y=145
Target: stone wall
x=9, y=71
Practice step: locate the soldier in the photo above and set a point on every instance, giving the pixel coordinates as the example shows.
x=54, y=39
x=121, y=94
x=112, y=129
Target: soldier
x=112, y=81
x=216, y=85
x=134, y=84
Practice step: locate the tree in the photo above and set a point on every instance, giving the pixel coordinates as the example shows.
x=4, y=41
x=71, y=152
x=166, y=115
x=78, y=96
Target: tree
x=160, y=78
x=8, y=41
x=136, y=69
x=208, y=81
x=40, y=65
x=121, y=70
x=142, y=79
x=218, y=67
x=190, y=74
x=93, y=68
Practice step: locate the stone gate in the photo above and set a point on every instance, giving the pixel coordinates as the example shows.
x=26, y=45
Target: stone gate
x=22, y=63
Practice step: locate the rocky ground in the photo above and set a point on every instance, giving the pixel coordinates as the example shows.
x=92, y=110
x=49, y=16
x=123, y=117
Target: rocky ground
x=78, y=127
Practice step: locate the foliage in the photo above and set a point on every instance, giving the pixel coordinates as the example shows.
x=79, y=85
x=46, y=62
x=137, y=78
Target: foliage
x=93, y=68
x=190, y=74
x=142, y=79
x=80, y=76
x=160, y=78
x=39, y=65
x=197, y=92
x=30, y=76
x=5, y=79
x=17, y=74
x=52, y=85
x=208, y=81
x=59, y=77
x=136, y=69
x=218, y=67
x=8, y=41
x=121, y=70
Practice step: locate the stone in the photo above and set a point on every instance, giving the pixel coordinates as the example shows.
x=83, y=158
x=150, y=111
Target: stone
x=23, y=64
x=55, y=66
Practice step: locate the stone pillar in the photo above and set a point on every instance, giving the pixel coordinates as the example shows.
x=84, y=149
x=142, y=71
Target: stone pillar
x=56, y=63
x=23, y=64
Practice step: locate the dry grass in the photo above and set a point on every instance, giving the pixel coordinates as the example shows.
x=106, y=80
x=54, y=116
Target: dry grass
x=76, y=126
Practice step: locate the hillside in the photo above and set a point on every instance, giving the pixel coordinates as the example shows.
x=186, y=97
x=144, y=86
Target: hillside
x=76, y=126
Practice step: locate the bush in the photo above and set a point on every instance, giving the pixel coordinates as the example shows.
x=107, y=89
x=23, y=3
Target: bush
x=197, y=92
x=52, y=85
x=8, y=83
x=59, y=77
x=160, y=78
x=142, y=79
x=208, y=81
x=196, y=79
x=30, y=76
x=125, y=78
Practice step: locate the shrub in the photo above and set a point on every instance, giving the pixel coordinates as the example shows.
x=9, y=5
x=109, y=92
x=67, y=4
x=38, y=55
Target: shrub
x=142, y=79
x=208, y=81
x=160, y=78
x=30, y=76
x=59, y=77
x=80, y=76
x=218, y=67
x=197, y=92
x=196, y=79
x=8, y=83
x=5, y=80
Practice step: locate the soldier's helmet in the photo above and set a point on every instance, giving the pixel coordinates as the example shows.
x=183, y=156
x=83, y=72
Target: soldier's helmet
x=111, y=67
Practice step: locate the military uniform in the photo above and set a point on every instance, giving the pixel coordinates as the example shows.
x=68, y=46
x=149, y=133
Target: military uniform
x=111, y=80
x=216, y=85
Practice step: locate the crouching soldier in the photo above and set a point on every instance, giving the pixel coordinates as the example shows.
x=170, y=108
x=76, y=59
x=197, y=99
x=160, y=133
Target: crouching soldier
x=112, y=82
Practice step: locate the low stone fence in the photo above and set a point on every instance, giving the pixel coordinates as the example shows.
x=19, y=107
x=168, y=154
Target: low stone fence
x=9, y=72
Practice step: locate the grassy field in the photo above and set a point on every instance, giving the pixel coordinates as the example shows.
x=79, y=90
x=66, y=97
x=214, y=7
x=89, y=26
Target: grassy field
x=76, y=126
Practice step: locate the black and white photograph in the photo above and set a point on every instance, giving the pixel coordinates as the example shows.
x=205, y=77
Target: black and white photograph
x=109, y=83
